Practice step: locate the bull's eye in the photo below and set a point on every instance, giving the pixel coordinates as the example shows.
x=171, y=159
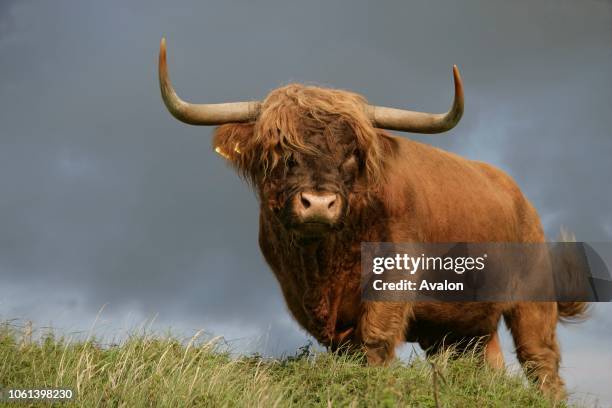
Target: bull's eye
x=350, y=168
x=350, y=163
x=291, y=162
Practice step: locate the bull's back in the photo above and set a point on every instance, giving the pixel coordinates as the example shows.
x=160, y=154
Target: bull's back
x=438, y=196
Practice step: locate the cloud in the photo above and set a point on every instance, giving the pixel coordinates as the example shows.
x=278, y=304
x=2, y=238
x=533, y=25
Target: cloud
x=6, y=16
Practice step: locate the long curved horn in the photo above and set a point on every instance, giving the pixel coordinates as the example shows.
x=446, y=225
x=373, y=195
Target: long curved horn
x=420, y=122
x=201, y=114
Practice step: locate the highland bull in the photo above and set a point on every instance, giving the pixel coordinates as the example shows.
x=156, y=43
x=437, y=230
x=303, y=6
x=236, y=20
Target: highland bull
x=328, y=177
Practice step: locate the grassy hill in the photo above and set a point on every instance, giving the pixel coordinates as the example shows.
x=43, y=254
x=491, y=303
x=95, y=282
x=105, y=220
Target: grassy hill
x=154, y=371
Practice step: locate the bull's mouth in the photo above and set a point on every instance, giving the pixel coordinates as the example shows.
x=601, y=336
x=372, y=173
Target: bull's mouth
x=312, y=229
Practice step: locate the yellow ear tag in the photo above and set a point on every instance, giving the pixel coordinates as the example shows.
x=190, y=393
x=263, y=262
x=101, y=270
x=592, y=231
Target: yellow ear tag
x=221, y=153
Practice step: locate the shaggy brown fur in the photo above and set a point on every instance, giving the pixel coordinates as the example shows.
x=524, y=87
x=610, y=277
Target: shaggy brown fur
x=277, y=133
x=395, y=190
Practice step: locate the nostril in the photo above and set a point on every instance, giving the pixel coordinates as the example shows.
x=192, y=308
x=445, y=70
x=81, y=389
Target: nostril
x=322, y=205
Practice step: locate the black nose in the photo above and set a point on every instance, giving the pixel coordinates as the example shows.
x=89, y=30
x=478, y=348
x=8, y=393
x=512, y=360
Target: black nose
x=317, y=206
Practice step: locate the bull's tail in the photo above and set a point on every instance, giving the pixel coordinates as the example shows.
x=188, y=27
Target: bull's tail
x=570, y=263
x=573, y=312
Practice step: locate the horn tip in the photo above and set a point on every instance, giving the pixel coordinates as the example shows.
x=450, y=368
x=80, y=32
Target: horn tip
x=457, y=76
x=162, y=54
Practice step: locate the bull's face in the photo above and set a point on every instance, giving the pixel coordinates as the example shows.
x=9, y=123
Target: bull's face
x=309, y=192
x=306, y=188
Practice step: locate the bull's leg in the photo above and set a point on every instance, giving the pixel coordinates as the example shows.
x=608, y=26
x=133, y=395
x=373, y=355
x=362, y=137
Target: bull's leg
x=493, y=353
x=533, y=326
x=381, y=328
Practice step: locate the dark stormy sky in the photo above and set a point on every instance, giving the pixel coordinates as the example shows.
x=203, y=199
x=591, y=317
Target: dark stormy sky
x=107, y=200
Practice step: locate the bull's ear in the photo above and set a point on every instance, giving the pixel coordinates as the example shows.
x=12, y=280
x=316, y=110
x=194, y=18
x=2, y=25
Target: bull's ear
x=234, y=143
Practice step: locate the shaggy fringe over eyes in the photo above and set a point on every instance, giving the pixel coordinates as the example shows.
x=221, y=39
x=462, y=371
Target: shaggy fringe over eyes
x=277, y=130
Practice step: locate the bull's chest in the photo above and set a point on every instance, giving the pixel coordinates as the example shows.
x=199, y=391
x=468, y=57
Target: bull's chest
x=330, y=297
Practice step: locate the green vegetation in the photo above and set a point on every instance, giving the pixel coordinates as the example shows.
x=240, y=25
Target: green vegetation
x=146, y=370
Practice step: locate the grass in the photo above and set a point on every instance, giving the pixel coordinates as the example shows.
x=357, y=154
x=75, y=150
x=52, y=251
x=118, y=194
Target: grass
x=149, y=370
